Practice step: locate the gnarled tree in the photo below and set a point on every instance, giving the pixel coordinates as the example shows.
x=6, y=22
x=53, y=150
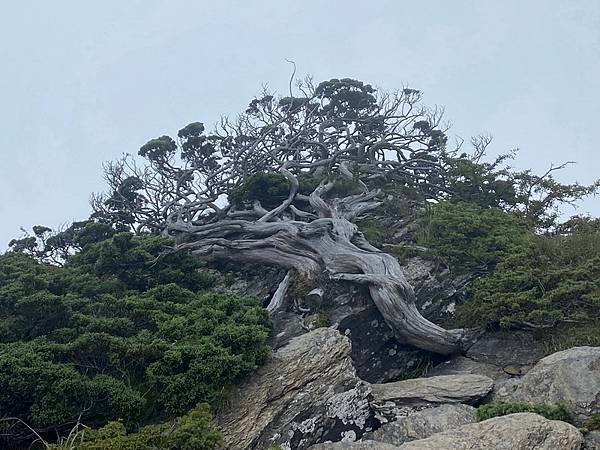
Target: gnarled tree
x=333, y=149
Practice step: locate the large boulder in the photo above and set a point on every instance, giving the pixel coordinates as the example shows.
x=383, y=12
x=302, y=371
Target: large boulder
x=570, y=377
x=507, y=349
x=499, y=355
x=463, y=388
x=522, y=431
x=462, y=365
x=392, y=401
x=306, y=393
x=424, y=423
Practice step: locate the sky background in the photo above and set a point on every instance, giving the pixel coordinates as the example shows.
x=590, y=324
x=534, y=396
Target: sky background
x=84, y=82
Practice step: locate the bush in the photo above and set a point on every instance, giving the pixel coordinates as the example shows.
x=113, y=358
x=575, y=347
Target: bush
x=549, y=282
x=557, y=279
x=118, y=334
x=496, y=409
x=270, y=189
x=470, y=237
x=592, y=424
x=193, y=431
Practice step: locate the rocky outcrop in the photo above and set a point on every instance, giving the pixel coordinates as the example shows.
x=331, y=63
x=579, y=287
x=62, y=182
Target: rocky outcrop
x=463, y=365
x=570, y=377
x=465, y=388
x=422, y=424
x=591, y=441
x=499, y=355
x=436, y=289
x=306, y=393
x=392, y=401
x=522, y=431
x=504, y=349
x=378, y=355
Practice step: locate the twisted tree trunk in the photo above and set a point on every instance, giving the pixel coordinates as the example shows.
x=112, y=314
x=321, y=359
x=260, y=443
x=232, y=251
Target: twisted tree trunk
x=327, y=245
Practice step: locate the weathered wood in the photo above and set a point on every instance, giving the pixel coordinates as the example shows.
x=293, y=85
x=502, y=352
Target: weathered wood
x=330, y=245
x=279, y=295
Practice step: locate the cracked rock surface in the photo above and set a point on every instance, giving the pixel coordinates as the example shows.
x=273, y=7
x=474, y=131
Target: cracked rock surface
x=306, y=393
x=571, y=377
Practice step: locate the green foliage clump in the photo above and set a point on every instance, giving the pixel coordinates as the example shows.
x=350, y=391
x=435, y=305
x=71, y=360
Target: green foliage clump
x=496, y=409
x=270, y=189
x=554, y=280
x=374, y=232
x=547, y=282
x=567, y=335
x=141, y=264
x=193, y=431
x=119, y=333
x=592, y=424
x=470, y=237
x=535, y=198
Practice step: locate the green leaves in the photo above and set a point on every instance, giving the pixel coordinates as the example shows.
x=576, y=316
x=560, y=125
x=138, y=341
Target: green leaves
x=524, y=279
x=471, y=237
x=193, y=431
x=496, y=409
x=121, y=333
x=159, y=149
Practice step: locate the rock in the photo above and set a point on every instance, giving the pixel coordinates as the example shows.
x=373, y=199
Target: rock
x=591, y=441
x=441, y=389
x=462, y=365
x=571, y=377
x=502, y=356
x=314, y=299
x=436, y=290
x=256, y=280
x=512, y=351
x=306, y=393
x=522, y=431
x=378, y=356
x=368, y=445
x=423, y=424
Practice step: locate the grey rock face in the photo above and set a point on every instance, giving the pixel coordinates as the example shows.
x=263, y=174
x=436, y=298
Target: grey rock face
x=462, y=365
x=465, y=388
x=591, y=441
x=571, y=377
x=522, y=431
x=508, y=350
x=377, y=354
x=308, y=392
x=424, y=423
x=436, y=290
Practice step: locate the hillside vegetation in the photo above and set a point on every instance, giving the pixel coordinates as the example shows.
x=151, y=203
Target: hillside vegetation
x=119, y=334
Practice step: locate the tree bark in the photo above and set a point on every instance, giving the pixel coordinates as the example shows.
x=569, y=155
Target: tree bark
x=327, y=245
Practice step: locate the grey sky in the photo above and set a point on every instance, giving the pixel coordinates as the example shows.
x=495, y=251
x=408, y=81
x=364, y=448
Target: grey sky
x=83, y=82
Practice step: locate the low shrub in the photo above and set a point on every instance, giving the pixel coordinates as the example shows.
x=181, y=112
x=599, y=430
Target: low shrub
x=496, y=409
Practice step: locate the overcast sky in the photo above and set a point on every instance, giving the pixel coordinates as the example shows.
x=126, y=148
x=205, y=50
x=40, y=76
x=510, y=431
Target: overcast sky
x=84, y=82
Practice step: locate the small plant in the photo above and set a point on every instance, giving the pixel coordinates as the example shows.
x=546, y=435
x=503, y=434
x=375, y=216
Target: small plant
x=592, y=424
x=322, y=319
x=193, y=431
x=374, y=232
x=496, y=409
